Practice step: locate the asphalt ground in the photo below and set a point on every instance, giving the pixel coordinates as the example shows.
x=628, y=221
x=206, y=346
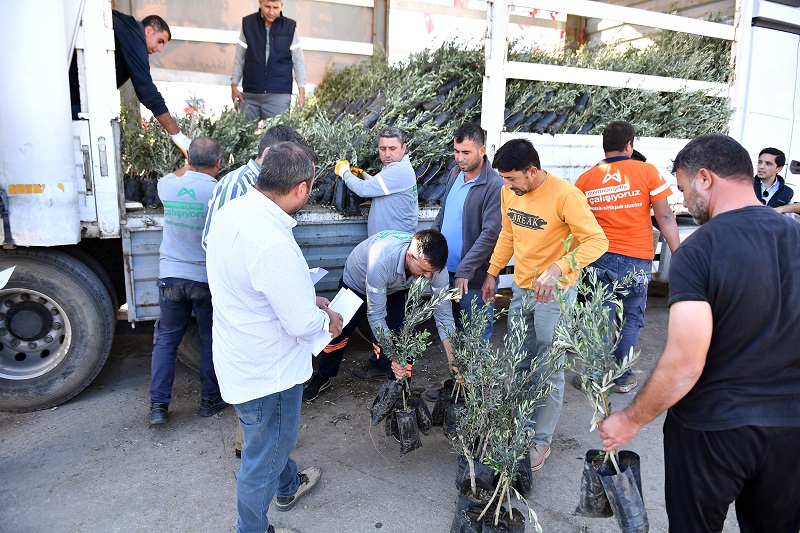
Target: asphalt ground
x=94, y=465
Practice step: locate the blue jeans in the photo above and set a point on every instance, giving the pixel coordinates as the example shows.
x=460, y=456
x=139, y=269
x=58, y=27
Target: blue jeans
x=611, y=267
x=541, y=320
x=465, y=304
x=269, y=425
x=177, y=298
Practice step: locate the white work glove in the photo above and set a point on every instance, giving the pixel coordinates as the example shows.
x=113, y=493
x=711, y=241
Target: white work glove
x=182, y=142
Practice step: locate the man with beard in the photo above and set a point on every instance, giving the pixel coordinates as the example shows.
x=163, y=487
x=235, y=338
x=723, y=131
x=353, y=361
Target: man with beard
x=473, y=188
x=730, y=372
x=266, y=318
x=539, y=212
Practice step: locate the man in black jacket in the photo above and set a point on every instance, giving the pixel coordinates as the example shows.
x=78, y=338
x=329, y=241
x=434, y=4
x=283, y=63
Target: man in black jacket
x=770, y=188
x=267, y=52
x=134, y=41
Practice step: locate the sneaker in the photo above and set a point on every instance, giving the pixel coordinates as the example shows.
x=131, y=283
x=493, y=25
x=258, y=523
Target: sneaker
x=211, y=406
x=238, y=453
x=281, y=530
x=538, y=454
x=308, y=480
x=576, y=382
x=369, y=373
x=431, y=395
x=626, y=384
x=158, y=413
x=314, y=386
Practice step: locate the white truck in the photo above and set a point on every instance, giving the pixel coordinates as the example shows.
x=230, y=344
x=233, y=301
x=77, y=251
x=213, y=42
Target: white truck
x=83, y=261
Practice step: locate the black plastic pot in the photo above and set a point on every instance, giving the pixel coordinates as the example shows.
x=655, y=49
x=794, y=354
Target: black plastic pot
x=387, y=396
x=593, y=500
x=513, y=523
x=420, y=407
x=624, y=494
x=409, y=431
x=445, y=392
x=483, y=473
x=450, y=414
x=467, y=522
x=524, y=480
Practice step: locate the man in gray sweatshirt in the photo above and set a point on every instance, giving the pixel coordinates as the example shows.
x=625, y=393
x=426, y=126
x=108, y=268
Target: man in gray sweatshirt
x=393, y=190
x=182, y=281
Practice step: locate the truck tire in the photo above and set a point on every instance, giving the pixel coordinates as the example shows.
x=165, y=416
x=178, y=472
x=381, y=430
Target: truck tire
x=56, y=327
x=189, y=349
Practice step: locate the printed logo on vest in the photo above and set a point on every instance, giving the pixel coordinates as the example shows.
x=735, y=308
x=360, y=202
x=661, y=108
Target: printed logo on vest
x=524, y=220
x=615, y=176
x=184, y=191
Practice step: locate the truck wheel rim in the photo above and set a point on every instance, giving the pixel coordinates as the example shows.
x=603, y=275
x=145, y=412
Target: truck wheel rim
x=35, y=334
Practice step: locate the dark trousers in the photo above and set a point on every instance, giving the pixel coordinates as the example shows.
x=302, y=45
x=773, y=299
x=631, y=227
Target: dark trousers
x=177, y=298
x=331, y=357
x=756, y=467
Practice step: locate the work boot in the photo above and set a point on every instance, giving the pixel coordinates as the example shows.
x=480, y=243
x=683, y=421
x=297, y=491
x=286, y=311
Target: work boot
x=211, y=406
x=281, y=530
x=308, y=480
x=158, y=413
x=431, y=395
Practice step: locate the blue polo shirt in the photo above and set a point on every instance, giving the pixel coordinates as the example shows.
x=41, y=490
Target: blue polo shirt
x=452, y=219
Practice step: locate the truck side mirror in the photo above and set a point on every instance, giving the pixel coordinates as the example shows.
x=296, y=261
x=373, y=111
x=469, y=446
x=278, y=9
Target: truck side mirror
x=794, y=167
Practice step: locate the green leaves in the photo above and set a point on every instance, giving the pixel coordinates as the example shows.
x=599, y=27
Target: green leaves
x=407, y=344
x=589, y=330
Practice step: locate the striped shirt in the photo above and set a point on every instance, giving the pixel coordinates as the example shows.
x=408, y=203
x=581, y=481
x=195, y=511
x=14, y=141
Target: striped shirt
x=234, y=184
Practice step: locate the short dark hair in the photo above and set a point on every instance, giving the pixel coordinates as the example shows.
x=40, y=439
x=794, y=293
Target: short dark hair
x=204, y=152
x=157, y=23
x=780, y=157
x=285, y=166
x=392, y=132
x=516, y=154
x=720, y=154
x=432, y=245
x=617, y=135
x=279, y=133
x=471, y=131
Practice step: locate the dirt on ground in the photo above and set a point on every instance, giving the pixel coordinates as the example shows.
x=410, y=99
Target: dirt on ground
x=94, y=465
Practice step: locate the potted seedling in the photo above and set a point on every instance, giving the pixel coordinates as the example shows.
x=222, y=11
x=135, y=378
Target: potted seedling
x=494, y=426
x=590, y=331
x=395, y=399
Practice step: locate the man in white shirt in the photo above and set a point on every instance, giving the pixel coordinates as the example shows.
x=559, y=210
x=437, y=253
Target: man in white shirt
x=266, y=317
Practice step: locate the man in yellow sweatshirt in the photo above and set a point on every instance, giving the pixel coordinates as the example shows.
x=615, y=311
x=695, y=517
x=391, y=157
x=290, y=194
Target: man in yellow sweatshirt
x=539, y=211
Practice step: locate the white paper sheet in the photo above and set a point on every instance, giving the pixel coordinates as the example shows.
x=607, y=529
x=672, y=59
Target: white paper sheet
x=346, y=303
x=5, y=275
x=317, y=274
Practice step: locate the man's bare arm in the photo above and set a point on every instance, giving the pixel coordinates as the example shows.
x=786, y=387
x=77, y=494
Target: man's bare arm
x=680, y=366
x=665, y=219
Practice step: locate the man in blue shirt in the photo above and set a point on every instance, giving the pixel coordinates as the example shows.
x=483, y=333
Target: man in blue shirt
x=470, y=220
x=470, y=217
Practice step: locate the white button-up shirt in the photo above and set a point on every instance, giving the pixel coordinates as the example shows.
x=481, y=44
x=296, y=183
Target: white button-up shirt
x=265, y=313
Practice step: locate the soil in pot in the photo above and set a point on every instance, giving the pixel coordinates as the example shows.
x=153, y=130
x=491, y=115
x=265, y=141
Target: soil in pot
x=467, y=522
x=508, y=523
